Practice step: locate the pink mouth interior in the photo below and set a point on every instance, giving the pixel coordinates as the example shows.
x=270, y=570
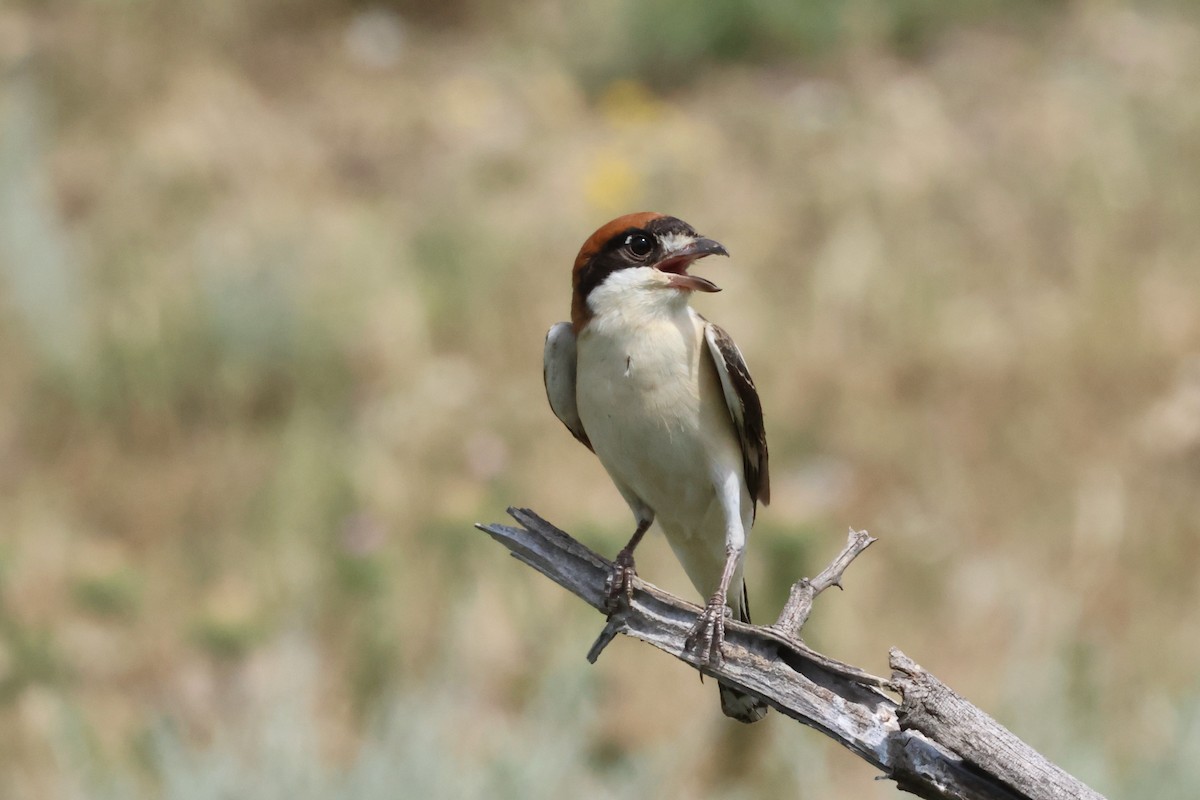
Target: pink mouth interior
x=677, y=265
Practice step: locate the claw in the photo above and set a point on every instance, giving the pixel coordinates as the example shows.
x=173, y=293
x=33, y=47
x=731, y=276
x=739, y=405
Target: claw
x=707, y=636
x=619, y=584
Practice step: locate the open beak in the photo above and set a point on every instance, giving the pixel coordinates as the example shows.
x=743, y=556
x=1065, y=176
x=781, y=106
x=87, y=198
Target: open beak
x=677, y=262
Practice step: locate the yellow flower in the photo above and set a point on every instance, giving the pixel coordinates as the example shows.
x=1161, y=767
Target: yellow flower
x=611, y=184
x=627, y=102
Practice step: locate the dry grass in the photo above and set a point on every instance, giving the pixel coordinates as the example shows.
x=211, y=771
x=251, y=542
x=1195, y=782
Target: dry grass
x=274, y=294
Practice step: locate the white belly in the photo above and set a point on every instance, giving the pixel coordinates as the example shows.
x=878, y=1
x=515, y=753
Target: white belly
x=650, y=400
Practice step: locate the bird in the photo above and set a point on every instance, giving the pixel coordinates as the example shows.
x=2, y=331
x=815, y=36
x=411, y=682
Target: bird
x=665, y=401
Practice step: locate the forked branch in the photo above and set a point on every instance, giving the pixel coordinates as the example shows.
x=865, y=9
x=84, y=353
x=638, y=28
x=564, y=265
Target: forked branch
x=933, y=743
x=804, y=591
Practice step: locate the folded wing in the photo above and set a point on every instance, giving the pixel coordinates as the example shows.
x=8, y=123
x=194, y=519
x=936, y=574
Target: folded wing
x=744, y=408
x=558, y=371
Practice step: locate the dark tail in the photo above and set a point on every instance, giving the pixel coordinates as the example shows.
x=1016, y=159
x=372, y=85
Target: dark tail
x=734, y=702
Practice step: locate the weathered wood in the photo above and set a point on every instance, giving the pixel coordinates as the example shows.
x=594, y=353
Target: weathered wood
x=935, y=710
x=804, y=591
x=845, y=703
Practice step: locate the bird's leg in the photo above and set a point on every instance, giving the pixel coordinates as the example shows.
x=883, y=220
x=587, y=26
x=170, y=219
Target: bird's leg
x=620, y=581
x=708, y=634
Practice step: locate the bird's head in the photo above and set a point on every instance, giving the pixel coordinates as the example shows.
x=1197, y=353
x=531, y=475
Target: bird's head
x=639, y=258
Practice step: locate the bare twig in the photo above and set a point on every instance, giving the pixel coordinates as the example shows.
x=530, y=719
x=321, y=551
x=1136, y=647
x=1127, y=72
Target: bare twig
x=842, y=701
x=804, y=591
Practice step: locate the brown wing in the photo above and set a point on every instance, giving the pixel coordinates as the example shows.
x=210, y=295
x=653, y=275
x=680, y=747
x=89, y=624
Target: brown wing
x=558, y=372
x=744, y=408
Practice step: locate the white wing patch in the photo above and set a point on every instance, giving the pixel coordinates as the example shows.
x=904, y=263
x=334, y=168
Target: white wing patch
x=558, y=371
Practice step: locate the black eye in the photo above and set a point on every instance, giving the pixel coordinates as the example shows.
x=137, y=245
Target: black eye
x=639, y=244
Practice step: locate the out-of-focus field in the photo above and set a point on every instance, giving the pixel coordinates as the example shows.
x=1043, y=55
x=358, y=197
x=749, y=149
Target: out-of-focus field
x=273, y=284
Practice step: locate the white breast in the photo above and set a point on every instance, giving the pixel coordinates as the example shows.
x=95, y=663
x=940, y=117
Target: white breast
x=650, y=400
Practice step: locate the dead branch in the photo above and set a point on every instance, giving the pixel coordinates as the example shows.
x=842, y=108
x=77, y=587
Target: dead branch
x=804, y=591
x=933, y=743
x=933, y=708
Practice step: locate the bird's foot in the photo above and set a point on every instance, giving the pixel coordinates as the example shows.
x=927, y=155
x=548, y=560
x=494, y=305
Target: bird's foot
x=708, y=634
x=619, y=585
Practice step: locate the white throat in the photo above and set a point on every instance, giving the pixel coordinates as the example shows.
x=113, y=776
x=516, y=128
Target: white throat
x=636, y=296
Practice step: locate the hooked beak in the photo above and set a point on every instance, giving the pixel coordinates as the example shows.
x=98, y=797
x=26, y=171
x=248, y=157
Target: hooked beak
x=677, y=262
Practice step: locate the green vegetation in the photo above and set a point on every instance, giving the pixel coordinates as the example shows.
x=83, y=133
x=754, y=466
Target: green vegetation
x=273, y=284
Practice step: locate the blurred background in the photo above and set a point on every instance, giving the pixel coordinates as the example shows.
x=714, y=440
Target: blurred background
x=274, y=278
